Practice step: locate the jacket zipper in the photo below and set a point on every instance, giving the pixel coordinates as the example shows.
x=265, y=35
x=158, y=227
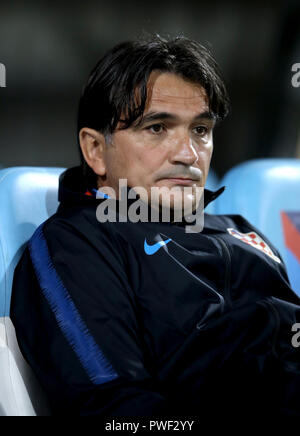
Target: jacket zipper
x=227, y=256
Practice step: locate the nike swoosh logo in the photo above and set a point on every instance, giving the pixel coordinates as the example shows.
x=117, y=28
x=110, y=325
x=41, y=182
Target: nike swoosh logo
x=152, y=249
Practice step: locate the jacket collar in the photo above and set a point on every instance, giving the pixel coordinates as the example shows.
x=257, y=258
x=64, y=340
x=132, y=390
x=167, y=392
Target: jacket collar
x=72, y=189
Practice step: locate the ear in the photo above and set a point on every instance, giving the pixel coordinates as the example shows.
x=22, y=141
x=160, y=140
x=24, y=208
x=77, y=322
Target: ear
x=92, y=144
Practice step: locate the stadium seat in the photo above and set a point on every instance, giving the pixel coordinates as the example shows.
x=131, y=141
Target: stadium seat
x=267, y=193
x=28, y=196
x=212, y=183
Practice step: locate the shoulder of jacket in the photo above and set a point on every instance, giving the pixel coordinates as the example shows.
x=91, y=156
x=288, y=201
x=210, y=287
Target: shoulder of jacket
x=225, y=221
x=81, y=223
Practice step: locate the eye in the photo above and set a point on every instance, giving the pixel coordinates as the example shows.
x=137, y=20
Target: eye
x=155, y=128
x=201, y=130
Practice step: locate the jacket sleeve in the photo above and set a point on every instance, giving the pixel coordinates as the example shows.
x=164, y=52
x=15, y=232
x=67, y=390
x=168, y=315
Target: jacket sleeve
x=76, y=322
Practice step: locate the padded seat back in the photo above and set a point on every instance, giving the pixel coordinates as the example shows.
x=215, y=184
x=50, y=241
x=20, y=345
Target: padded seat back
x=28, y=196
x=212, y=183
x=267, y=193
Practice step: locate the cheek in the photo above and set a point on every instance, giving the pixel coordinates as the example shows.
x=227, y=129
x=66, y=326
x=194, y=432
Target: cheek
x=210, y=152
x=205, y=153
x=147, y=160
x=133, y=164
x=116, y=168
x=204, y=158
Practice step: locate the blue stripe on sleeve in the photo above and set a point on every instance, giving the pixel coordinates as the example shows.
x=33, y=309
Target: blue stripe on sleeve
x=68, y=318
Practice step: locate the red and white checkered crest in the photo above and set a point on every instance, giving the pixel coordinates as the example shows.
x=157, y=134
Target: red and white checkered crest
x=255, y=240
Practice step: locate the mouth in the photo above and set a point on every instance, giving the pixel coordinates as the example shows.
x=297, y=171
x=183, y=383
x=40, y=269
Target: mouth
x=182, y=181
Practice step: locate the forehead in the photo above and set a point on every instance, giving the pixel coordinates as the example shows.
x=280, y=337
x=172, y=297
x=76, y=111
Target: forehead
x=171, y=93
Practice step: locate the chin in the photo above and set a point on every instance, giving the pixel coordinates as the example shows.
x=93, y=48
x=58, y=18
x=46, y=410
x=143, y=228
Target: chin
x=180, y=200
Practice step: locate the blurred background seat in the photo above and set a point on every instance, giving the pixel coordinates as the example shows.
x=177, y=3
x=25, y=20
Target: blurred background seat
x=212, y=183
x=267, y=193
x=28, y=196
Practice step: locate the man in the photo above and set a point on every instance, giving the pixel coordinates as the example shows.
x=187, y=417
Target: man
x=144, y=318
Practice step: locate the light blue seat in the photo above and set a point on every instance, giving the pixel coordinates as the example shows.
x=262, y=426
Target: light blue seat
x=267, y=193
x=212, y=183
x=28, y=196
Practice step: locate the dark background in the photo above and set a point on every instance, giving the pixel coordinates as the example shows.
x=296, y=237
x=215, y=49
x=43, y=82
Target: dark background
x=49, y=48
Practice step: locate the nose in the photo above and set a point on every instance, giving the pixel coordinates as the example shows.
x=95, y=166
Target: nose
x=183, y=151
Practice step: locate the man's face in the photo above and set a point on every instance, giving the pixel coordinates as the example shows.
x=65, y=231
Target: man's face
x=171, y=147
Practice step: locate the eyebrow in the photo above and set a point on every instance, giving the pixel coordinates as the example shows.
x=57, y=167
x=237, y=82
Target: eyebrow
x=155, y=116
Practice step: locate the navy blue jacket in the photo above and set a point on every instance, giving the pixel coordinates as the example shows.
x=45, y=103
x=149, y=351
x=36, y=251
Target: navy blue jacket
x=112, y=326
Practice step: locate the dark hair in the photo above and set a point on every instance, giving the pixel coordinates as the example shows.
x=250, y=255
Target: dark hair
x=117, y=86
